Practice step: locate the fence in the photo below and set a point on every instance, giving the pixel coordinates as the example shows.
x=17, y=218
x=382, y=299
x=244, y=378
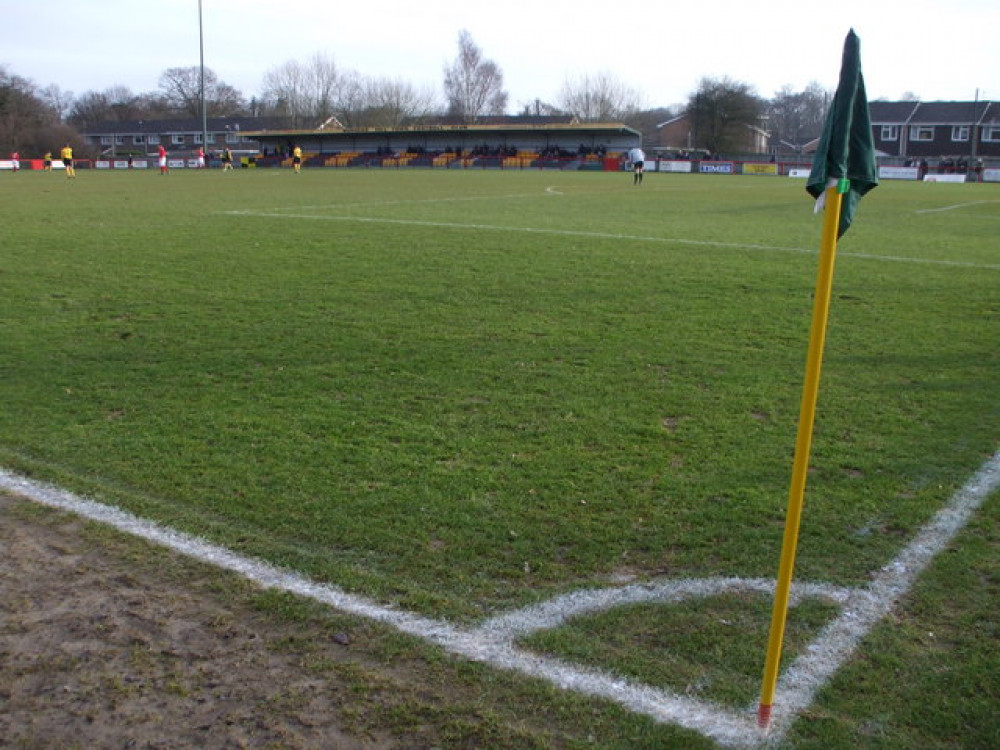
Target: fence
x=889, y=171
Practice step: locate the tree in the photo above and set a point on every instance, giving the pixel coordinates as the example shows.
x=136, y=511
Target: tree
x=796, y=117
x=473, y=86
x=601, y=97
x=181, y=89
x=116, y=104
x=538, y=108
x=720, y=112
x=59, y=101
x=325, y=87
x=308, y=94
x=28, y=123
x=388, y=103
x=284, y=92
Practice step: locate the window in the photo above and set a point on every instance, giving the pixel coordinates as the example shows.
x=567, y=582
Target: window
x=991, y=133
x=232, y=137
x=960, y=132
x=921, y=133
x=119, y=140
x=177, y=140
x=107, y=140
x=138, y=140
x=890, y=132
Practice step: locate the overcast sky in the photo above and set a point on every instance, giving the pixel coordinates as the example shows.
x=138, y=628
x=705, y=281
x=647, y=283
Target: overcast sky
x=941, y=49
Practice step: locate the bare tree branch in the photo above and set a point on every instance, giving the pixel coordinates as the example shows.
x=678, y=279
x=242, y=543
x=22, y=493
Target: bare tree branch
x=473, y=86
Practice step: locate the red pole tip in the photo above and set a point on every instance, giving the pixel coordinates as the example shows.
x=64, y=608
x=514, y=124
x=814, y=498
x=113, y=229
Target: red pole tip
x=764, y=716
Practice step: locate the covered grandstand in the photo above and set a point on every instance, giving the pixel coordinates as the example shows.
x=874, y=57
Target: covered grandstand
x=498, y=145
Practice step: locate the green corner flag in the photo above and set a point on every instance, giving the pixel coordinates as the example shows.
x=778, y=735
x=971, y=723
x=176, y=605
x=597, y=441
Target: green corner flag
x=846, y=148
x=842, y=172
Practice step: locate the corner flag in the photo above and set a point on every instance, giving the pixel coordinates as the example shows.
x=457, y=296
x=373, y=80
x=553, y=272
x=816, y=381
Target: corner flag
x=843, y=171
x=846, y=148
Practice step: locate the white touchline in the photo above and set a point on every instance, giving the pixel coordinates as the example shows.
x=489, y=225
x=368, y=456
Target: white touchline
x=868, y=605
x=494, y=641
x=598, y=235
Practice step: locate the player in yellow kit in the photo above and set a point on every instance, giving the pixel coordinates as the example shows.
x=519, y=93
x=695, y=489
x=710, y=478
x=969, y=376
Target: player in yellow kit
x=297, y=159
x=67, y=160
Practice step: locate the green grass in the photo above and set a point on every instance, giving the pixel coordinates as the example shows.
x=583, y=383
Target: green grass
x=468, y=391
x=693, y=649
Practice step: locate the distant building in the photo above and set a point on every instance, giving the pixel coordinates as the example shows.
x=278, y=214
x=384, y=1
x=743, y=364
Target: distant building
x=270, y=138
x=178, y=136
x=680, y=134
x=915, y=130
x=489, y=138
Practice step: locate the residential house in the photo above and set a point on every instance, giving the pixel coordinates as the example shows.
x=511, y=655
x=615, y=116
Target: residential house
x=679, y=135
x=180, y=136
x=967, y=130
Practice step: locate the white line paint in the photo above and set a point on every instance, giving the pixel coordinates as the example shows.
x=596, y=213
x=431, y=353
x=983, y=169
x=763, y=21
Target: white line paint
x=596, y=235
x=954, y=207
x=556, y=612
x=867, y=606
x=495, y=641
x=412, y=201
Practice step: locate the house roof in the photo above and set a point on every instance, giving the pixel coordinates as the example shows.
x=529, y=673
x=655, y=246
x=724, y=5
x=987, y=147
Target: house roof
x=754, y=128
x=891, y=112
x=181, y=125
x=671, y=121
x=941, y=113
x=933, y=113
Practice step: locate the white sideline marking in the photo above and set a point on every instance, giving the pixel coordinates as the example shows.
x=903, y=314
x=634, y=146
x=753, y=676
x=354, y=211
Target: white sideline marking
x=953, y=207
x=596, y=235
x=494, y=642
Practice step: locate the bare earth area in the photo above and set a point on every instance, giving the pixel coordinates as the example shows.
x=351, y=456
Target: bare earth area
x=107, y=642
x=98, y=652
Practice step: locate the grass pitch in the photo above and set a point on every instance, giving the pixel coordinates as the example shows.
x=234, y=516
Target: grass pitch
x=464, y=392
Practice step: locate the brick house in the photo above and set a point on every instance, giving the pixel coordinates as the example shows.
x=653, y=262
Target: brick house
x=933, y=130
x=179, y=136
x=679, y=134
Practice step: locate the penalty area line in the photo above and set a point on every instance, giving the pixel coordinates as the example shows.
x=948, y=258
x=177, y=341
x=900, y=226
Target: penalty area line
x=953, y=207
x=598, y=236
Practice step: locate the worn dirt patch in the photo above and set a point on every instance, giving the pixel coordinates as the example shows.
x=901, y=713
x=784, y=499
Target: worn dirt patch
x=109, y=642
x=97, y=652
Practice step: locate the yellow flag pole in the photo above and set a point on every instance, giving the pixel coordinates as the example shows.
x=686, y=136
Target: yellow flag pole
x=803, y=446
